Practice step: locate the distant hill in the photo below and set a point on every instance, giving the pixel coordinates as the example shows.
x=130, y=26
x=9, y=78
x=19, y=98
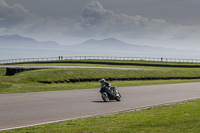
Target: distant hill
x=25, y=42
x=109, y=44
x=112, y=44
x=102, y=44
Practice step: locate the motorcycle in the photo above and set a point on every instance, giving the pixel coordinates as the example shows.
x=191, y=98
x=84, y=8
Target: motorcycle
x=113, y=95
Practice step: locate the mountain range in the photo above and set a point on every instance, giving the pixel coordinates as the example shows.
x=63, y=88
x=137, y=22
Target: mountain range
x=112, y=44
x=109, y=44
x=16, y=41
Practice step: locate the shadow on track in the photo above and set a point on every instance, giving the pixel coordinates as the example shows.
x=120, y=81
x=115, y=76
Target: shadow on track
x=102, y=101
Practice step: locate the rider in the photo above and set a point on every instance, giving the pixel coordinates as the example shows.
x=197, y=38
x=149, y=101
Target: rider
x=106, y=85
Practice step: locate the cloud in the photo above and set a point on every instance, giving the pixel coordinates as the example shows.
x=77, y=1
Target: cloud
x=193, y=1
x=96, y=21
x=15, y=19
x=94, y=14
x=12, y=15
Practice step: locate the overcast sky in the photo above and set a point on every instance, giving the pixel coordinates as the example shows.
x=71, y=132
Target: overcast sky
x=164, y=23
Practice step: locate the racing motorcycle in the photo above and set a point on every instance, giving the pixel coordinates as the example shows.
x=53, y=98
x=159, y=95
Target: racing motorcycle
x=112, y=95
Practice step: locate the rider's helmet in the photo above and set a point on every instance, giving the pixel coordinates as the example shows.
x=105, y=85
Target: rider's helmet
x=102, y=80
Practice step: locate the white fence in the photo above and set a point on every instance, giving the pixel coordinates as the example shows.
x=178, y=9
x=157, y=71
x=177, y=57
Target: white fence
x=21, y=60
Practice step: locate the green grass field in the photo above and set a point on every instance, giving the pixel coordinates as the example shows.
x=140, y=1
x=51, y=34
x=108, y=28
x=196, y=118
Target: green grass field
x=29, y=81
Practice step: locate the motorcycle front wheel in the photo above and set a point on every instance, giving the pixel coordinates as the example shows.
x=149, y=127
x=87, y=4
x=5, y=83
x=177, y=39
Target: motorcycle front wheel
x=105, y=97
x=118, y=98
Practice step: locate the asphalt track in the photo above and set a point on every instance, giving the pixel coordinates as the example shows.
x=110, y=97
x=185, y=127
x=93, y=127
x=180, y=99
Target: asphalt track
x=28, y=109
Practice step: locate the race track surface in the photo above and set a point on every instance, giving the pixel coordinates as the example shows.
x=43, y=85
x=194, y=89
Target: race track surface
x=27, y=109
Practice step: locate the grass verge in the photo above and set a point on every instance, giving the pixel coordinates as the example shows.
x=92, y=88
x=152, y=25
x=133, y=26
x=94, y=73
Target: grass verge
x=7, y=88
x=182, y=117
x=29, y=81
